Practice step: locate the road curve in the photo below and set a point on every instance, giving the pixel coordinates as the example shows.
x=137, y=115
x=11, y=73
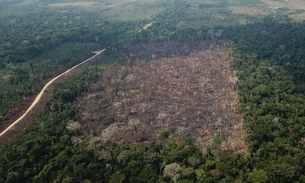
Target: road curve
x=43, y=90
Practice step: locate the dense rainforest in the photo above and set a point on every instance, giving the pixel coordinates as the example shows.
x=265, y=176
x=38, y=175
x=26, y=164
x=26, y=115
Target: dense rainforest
x=267, y=56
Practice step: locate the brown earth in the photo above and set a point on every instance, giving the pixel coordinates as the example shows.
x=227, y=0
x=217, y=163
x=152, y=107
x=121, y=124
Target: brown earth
x=190, y=96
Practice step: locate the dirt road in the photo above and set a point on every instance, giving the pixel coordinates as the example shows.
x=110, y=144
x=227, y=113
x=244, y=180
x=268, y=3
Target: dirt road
x=146, y=26
x=43, y=90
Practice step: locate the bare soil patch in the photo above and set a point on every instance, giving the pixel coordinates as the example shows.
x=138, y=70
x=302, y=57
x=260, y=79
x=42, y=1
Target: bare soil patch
x=188, y=95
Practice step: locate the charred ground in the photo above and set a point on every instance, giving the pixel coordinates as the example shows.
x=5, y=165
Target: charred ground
x=189, y=95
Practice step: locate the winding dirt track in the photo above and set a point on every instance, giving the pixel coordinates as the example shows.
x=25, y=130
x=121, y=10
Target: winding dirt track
x=43, y=90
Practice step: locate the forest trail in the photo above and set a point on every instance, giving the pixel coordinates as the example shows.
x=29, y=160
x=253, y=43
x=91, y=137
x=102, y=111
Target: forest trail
x=37, y=99
x=146, y=26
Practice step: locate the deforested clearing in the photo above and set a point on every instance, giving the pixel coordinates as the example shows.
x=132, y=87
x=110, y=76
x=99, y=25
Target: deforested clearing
x=190, y=95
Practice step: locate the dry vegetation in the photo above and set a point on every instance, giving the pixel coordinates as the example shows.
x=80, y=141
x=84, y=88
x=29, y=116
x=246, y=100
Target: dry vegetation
x=300, y=17
x=291, y=4
x=252, y=11
x=294, y=8
x=85, y=4
x=189, y=96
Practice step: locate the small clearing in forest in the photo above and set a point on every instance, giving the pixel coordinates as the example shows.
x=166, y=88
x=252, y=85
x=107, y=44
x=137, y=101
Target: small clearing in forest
x=146, y=26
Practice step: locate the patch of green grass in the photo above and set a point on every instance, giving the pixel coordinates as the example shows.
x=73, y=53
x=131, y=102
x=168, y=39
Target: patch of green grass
x=165, y=134
x=217, y=140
